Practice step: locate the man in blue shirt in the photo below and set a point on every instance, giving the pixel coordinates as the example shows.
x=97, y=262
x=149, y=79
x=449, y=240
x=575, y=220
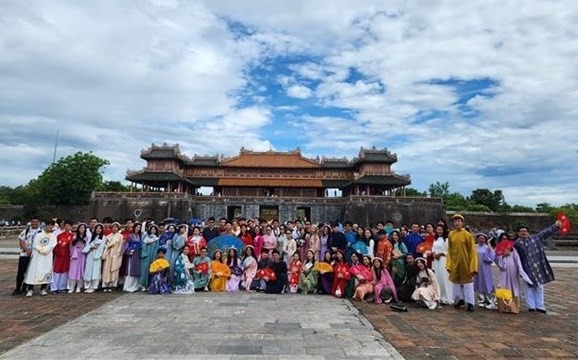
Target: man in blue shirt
x=413, y=239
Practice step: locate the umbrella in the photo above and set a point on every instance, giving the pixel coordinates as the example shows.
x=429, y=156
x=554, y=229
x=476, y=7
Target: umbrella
x=503, y=245
x=566, y=225
x=360, y=247
x=424, y=247
x=266, y=274
x=195, y=221
x=351, y=237
x=224, y=243
x=169, y=220
x=323, y=267
x=362, y=272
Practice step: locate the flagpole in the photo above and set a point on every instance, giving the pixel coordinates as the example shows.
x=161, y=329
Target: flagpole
x=55, y=146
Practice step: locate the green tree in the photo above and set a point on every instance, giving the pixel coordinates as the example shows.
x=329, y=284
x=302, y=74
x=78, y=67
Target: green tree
x=521, y=208
x=69, y=181
x=492, y=200
x=113, y=186
x=410, y=192
x=544, y=207
x=455, y=202
x=439, y=189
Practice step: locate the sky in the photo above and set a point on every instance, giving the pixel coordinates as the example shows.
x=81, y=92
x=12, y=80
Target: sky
x=478, y=94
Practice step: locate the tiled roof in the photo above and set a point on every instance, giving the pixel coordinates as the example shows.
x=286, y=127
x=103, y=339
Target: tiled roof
x=316, y=183
x=148, y=176
x=270, y=159
x=393, y=180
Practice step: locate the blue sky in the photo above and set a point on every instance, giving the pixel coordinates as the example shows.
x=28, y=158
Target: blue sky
x=480, y=95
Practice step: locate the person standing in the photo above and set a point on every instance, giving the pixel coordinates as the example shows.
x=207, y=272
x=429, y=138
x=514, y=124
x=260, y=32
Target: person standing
x=210, y=232
x=25, y=241
x=112, y=258
x=462, y=263
x=535, y=264
x=93, y=265
x=61, y=260
x=40, y=267
x=440, y=253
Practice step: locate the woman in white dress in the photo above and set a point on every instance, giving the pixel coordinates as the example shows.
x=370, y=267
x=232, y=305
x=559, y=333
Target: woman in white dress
x=439, y=252
x=427, y=291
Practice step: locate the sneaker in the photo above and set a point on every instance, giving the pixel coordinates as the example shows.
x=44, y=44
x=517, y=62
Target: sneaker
x=459, y=304
x=89, y=291
x=29, y=293
x=43, y=293
x=481, y=304
x=541, y=311
x=492, y=306
x=78, y=290
x=470, y=308
x=70, y=291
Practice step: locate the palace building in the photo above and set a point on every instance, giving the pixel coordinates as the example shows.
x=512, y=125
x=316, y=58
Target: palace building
x=268, y=173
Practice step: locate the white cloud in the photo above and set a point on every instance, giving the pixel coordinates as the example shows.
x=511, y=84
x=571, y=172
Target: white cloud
x=299, y=92
x=116, y=77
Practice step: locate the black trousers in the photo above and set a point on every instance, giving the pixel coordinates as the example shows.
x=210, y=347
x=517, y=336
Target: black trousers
x=23, y=262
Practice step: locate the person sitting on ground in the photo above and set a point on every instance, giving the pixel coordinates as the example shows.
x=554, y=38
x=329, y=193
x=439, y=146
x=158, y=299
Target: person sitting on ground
x=427, y=291
x=279, y=267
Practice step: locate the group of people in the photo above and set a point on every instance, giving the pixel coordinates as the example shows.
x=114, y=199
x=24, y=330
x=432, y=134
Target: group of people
x=429, y=264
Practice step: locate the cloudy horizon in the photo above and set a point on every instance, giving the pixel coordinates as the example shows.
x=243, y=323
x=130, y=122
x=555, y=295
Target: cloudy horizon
x=481, y=95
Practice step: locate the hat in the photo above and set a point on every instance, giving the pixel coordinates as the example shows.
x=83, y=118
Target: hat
x=115, y=223
x=482, y=234
x=378, y=258
x=458, y=216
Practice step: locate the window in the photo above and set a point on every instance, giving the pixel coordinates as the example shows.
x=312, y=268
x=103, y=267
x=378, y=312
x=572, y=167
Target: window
x=303, y=213
x=234, y=212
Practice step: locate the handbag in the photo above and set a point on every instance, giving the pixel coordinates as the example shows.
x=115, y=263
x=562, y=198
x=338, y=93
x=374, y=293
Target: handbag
x=504, y=294
x=511, y=306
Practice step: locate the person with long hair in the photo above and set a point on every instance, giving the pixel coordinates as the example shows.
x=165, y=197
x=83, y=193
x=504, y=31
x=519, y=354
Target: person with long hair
x=294, y=273
x=249, y=267
x=182, y=277
x=195, y=243
x=258, y=240
x=236, y=267
x=511, y=269
x=245, y=235
x=290, y=246
x=364, y=284
x=93, y=249
x=340, y=274
x=323, y=239
x=440, y=252
x=398, y=255
x=384, y=287
x=132, y=252
x=309, y=276
x=314, y=242
x=150, y=244
x=61, y=262
x=220, y=272
x=77, y=262
x=112, y=258
x=427, y=292
x=484, y=280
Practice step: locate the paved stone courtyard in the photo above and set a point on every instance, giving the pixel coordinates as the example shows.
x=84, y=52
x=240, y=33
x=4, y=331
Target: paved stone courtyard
x=255, y=326
x=241, y=325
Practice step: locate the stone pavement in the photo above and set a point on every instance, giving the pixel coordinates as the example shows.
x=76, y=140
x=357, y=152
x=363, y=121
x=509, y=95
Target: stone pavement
x=214, y=325
x=449, y=334
x=22, y=319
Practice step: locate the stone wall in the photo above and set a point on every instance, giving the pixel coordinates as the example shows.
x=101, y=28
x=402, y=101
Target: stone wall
x=487, y=220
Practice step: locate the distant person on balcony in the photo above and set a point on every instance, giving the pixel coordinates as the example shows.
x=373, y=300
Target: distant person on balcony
x=210, y=232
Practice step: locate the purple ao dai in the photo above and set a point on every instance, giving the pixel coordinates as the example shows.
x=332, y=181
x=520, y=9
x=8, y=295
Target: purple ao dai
x=484, y=280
